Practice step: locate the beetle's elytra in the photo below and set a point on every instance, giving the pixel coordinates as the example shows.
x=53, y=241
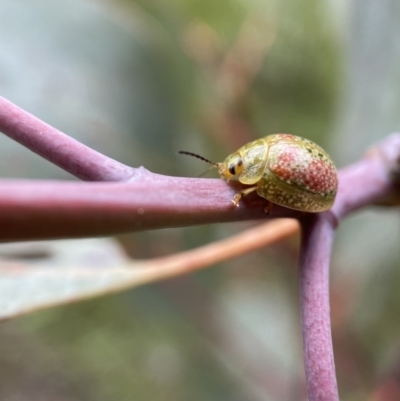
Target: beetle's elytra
x=284, y=169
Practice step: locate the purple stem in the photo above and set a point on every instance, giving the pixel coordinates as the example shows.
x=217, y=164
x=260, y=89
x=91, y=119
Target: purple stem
x=59, y=209
x=51, y=209
x=317, y=238
x=374, y=179
x=60, y=149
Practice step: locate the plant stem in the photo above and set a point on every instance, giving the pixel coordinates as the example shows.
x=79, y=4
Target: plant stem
x=60, y=149
x=317, y=238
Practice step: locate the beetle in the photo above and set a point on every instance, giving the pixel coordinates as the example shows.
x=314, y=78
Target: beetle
x=285, y=169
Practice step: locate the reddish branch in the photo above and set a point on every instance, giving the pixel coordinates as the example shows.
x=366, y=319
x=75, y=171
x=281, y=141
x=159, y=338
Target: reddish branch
x=125, y=199
x=51, y=209
x=317, y=238
x=135, y=199
x=60, y=149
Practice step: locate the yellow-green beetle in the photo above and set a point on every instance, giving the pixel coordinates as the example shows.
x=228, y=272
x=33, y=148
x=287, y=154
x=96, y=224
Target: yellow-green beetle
x=284, y=169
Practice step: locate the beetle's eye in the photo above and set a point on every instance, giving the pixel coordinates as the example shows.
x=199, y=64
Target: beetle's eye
x=236, y=167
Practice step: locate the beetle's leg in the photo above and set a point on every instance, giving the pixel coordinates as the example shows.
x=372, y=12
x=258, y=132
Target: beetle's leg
x=269, y=207
x=239, y=195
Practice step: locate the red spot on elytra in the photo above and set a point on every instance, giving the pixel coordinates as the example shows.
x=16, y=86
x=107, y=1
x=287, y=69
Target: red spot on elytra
x=316, y=174
x=321, y=176
x=286, y=136
x=285, y=162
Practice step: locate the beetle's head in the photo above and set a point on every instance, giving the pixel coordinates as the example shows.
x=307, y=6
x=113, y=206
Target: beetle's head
x=231, y=167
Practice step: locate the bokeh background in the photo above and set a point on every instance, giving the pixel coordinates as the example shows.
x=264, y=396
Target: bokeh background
x=139, y=80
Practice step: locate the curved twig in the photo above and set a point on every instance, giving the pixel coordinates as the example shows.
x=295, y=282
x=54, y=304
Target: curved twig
x=60, y=149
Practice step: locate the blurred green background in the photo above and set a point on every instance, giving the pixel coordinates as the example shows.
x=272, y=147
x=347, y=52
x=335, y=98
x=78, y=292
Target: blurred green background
x=139, y=80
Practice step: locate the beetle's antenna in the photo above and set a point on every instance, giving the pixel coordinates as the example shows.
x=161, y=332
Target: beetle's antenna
x=205, y=172
x=184, y=152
